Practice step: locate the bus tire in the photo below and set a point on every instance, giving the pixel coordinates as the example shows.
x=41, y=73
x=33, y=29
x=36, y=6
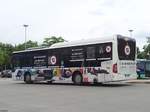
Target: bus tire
x=95, y=81
x=27, y=78
x=77, y=78
x=49, y=82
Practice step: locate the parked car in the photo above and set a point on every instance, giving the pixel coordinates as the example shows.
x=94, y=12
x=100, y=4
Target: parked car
x=6, y=73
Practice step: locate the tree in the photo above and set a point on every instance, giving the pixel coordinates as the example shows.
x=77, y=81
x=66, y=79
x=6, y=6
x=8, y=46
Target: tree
x=29, y=44
x=5, y=55
x=145, y=54
x=140, y=55
x=52, y=40
x=2, y=58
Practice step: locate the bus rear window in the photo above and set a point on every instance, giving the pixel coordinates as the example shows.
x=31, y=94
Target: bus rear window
x=126, y=48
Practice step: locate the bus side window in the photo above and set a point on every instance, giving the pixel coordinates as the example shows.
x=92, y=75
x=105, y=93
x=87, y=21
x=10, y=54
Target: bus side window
x=90, y=60
x=90, y=52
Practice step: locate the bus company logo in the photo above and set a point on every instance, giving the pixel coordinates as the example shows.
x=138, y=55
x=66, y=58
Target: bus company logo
x=127, y=50
x=52, y=60
x=108, y=49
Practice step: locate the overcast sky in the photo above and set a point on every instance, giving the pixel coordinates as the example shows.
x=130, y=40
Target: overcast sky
x=73, y=19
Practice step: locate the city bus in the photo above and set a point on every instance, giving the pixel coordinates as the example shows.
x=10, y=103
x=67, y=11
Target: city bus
x=143, y=68
x=87, y=61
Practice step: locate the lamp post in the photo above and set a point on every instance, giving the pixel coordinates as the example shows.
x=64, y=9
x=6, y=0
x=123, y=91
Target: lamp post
x=148, y=40
x=25, y=34
x=130, y=31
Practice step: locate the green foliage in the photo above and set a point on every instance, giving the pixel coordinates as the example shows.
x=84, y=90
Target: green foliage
x=2, y=57
x=141, y=55
x=5, y=54
x=29, y=44
x=52, y=40
x=144, y=54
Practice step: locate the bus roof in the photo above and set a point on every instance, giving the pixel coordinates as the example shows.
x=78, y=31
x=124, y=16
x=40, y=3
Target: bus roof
x=82, y=42
x=74, y=43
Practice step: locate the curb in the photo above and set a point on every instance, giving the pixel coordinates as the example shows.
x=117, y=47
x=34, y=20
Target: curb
x=139, y=81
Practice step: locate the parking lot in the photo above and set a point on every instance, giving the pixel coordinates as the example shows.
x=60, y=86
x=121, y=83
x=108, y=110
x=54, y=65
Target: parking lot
x=121, y=97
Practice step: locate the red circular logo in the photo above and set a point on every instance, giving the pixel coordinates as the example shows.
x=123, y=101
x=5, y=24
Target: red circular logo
x=108, y=49
x=53, y=60
x=127, y=50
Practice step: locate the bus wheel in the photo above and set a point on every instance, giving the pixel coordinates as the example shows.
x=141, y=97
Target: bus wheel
x=95, y=81
x=77, y=78
x=28, y=78
x=49, y=82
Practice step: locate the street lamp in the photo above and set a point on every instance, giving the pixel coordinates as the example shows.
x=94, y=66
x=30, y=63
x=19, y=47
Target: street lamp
x=130, y=32
x=25, y=34
x=148, y=40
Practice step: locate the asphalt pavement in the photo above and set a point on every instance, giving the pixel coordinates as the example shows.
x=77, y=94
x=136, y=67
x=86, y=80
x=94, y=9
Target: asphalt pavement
x=116, y=97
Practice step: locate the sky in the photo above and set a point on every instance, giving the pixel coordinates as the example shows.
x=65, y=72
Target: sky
x=73, y=19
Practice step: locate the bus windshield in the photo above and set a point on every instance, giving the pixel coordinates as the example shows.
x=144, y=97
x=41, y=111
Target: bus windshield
x=126, y=48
